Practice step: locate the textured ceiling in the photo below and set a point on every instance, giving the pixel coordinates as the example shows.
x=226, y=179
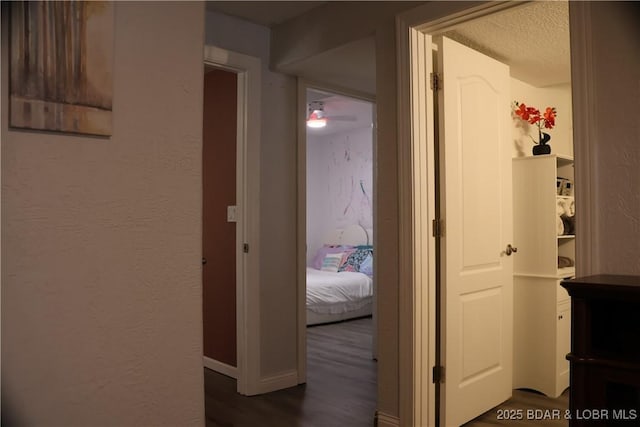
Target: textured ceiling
x=533, y=40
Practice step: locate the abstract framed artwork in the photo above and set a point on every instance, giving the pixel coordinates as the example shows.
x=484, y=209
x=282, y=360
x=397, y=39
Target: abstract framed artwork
x=61, y=66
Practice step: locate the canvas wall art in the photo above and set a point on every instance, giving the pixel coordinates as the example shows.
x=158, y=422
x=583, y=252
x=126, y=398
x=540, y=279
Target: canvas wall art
x=61, y=66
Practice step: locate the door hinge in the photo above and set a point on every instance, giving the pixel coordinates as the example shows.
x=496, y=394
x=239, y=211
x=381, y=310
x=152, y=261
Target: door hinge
x=438, y=374
x=245, y=248
x=437, y=227
x=435, y=81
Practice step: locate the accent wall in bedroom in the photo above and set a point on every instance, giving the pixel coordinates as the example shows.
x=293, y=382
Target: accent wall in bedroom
x=339, y=183
x=219, y=234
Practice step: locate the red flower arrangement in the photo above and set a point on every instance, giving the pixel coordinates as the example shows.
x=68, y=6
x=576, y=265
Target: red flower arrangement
x=533, y=116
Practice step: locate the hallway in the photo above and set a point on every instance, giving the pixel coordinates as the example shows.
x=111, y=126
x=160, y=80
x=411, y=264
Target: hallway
x=340, y=391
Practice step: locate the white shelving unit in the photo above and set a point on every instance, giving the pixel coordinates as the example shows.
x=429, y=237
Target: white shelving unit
x=542, y=308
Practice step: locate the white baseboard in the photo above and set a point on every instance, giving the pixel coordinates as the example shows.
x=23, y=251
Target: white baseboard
x=385, y=420
x=278, y=382
x=223, y=368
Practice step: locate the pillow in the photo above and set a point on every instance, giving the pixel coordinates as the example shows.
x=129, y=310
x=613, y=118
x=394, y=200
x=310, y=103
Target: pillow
x=345, y=256
x=331, y=262
x=323, y=251
x=369, y=247
x=347, y=266
x=355, y=259
x=366, y=266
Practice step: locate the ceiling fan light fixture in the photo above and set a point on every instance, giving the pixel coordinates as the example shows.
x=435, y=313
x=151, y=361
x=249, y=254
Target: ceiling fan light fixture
x=316, y=120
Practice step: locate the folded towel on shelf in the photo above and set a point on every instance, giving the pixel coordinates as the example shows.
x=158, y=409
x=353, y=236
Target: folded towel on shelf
x=564, y=261
x=559, y=226
x=569, y=224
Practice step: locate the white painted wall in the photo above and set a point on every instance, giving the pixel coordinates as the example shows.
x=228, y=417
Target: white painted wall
x=339, y=183
x=101, y=238
x=278, y=193
x=542, y=97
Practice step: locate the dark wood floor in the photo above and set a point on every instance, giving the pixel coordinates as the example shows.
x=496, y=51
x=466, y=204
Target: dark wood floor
x=340, y=391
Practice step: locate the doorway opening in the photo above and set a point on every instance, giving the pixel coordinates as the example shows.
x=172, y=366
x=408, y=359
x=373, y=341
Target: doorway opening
x=338, y=321
x=219, y=215
x=231, y=208
x=339, y=182
x=540, y=91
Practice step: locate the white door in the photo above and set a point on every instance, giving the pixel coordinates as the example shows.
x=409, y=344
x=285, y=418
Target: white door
x=475, y=200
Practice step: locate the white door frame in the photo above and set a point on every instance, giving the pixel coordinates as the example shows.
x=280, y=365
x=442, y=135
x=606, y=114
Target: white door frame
x=416, y=170
x=301, y=269
x=248, y=70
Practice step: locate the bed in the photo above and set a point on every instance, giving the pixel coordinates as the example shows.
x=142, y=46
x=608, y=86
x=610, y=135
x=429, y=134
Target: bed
x=334, y=296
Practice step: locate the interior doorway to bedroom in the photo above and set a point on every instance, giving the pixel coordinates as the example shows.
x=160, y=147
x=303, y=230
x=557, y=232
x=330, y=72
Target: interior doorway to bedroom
x=339, y=307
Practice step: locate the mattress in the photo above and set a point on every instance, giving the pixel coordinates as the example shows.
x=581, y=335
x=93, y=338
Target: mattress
x=337, y=296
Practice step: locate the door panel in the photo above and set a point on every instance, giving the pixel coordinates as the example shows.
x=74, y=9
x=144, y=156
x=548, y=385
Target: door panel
x=475, y=200
x=219, y=235
x=476, y=189
x=480, y=339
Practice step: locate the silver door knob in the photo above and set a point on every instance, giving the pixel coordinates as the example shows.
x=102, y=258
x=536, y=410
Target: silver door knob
x=510, y=250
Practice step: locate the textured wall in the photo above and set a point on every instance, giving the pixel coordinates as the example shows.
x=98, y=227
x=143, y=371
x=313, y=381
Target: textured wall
x=339, y=183
x=101, y=274
x=277, y=191
x=617, y=140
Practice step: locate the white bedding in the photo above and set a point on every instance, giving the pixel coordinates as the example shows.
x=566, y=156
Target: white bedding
x=337, y=296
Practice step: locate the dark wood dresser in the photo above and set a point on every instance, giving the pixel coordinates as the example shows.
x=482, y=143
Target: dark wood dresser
x=605, y=350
